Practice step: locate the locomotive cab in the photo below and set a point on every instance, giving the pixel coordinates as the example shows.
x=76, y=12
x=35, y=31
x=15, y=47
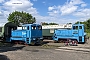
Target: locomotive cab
x=28, y=33
x=76, y=33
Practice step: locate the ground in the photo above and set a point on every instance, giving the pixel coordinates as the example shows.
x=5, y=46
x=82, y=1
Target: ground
x=46, y=52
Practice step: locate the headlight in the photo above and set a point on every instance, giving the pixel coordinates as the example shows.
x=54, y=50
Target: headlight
x=34, y=39
x=41, y=38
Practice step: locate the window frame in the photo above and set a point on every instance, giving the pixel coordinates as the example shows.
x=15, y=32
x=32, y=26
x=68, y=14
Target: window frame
x=33, y=27
x=75, y=27
x=39, y=27
x=24, y=27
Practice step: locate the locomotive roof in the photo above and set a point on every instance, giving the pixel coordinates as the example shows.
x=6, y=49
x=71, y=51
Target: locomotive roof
x=78, y=24
x=10, y=24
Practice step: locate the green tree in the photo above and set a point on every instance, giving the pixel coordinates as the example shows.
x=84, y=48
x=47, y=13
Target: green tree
x=69, y=23
x=53, y=24
x=86, y=24
x=21, y=17
x=79, y=22
x=44, y=23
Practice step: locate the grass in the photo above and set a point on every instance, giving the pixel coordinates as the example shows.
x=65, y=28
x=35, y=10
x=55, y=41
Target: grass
x=88, y=35
x=5, y=44
x=48, y=46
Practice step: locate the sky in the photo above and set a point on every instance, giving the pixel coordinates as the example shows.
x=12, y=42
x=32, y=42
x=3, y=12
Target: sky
x=49, y=11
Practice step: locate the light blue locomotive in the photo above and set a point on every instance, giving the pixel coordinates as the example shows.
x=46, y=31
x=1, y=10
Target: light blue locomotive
x=29, y=33
x=76, y=33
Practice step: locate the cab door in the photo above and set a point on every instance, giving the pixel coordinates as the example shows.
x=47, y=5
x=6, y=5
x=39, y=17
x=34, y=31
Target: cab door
x=81, y=33
x=80, y=30
x=75, y=31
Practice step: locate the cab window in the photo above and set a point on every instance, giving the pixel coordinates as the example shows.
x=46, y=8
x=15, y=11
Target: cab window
x=24, y=28
x=39, y=27
x=80, y=27
x=75, y=27
x=33, y=27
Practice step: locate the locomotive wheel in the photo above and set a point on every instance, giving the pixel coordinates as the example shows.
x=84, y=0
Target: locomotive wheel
x=55, y=41
x=75, y=43
x=32, y=43
x=70, y=43
x=41, y=42
x=66, y=43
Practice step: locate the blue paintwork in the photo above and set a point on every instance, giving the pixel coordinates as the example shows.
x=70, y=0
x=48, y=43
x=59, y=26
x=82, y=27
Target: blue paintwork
x=27, y=34
x=73, y=34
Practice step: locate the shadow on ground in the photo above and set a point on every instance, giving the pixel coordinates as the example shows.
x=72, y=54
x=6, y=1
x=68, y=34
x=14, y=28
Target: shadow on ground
x=3, y=57
x=9, y=47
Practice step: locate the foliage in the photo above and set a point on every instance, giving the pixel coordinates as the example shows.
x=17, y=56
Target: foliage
x=53, y=24
x=21, y=17
x=87, y=25
x=44, y=23
x=69, y=23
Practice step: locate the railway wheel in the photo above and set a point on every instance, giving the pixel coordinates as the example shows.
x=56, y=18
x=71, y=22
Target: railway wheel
x=55, y=41
x=41, y=42
x=66, y=43
x=32, y=43
x=75, y=44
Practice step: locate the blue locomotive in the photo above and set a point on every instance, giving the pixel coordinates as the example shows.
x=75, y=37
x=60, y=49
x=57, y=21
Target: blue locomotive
x=32, y=33
x=29, y=33
x=76, y=33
